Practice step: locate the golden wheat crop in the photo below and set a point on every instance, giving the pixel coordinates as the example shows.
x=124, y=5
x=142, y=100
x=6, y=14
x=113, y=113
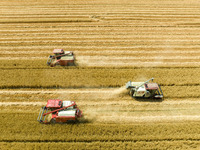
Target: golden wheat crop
x=96, y=77
x=104, y=145
x=139, y=135
x=114, y=42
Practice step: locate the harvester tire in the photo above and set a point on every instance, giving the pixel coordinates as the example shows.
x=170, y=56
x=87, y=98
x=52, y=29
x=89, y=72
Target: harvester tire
x=52, y=121
x=70, y=64
x=131, y=92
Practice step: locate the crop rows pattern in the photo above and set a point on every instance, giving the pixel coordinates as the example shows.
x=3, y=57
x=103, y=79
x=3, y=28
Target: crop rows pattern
x=114, y=42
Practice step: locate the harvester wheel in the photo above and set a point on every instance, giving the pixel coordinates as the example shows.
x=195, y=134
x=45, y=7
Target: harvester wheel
x=53, y=121
x=70, y=64
x=76, y=120
x=132, y=92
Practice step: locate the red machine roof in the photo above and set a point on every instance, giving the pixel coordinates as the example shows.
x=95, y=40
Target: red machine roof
x=58, y=51
x=151, y=86
x=54, y=103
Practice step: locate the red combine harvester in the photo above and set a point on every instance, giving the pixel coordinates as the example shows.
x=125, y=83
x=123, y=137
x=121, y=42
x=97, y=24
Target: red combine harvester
x=59, y=112
x=61, y=57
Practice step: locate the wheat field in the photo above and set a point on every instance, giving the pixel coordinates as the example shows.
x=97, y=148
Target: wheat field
x=114, y=42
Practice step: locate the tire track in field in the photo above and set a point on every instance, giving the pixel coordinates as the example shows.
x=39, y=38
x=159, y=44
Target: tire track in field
x=132, y=61
x=158, y=57
x=141, y=63
x=134, y=119
x=123, y=102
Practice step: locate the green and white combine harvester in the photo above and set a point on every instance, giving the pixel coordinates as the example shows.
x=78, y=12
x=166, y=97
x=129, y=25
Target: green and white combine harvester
x=144, y=89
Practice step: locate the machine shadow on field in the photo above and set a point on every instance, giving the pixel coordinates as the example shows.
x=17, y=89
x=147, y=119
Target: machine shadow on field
x=71, y=122
x=82, y=121
x=148, y=100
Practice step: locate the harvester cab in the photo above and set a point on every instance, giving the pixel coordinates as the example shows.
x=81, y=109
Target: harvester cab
x=58, y=111
x=61, y=57
x=144, y=89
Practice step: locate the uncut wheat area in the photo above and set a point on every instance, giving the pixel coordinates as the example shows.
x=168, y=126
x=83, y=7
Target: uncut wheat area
x=114, y=42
